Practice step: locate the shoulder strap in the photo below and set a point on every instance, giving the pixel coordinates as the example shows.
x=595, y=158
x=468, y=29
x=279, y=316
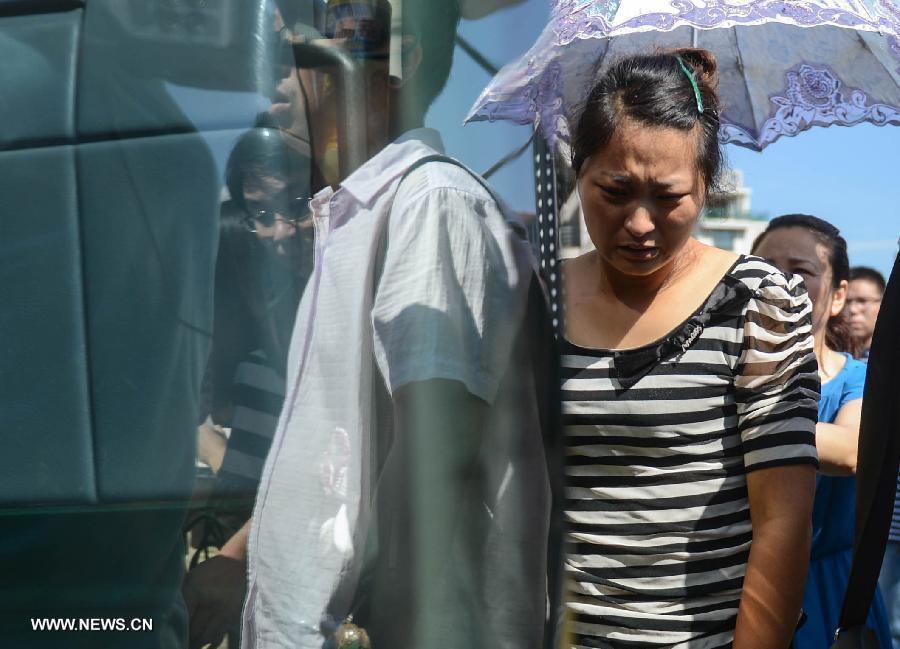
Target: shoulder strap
x=438, y=157
x=877, y=463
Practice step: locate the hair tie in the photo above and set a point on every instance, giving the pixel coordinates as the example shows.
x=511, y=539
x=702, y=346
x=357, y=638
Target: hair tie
x=694, y=85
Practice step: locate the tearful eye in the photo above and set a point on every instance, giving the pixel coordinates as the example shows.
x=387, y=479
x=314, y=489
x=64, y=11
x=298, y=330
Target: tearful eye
x=671, y=198
x=613, y=191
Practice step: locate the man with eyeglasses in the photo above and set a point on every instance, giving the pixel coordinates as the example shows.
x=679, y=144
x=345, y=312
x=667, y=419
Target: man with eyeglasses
x=863, y=303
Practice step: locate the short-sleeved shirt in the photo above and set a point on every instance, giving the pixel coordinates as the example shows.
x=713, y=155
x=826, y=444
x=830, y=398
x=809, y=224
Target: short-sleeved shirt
x=660, y=441
x=425, y=281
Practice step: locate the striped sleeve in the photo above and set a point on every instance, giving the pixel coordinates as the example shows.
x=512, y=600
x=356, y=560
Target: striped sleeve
x=777, y=381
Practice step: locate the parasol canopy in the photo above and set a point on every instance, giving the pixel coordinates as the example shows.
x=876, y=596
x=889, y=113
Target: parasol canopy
x=784, y=65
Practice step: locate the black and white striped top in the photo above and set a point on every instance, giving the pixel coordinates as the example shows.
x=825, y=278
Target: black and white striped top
x=258, y=397
x=660, y=439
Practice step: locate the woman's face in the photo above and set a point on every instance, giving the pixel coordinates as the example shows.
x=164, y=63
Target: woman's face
x=277, y=209
x=797, y=251
x=641, y=196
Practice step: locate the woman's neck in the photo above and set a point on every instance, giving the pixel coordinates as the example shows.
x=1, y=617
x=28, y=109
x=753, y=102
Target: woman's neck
x=642, y=289
x=830, y=361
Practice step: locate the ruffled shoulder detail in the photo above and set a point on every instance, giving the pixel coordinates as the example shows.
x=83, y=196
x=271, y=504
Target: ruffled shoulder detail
x=766, y=282
x=630, y=366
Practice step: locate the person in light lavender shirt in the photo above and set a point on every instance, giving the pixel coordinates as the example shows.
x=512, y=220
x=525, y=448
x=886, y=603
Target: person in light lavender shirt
x=407, y=495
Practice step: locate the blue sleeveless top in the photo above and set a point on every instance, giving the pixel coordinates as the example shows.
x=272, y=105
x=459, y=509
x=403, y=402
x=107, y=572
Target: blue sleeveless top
x=835, y=506
x=834, y=515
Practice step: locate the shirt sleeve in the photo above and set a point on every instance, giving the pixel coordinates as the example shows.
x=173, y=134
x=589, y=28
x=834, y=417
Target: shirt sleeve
x=856, y=382
x=446, y=299
x=777, y=382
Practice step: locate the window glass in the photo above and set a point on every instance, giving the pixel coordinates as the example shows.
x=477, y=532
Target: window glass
x=245, y=298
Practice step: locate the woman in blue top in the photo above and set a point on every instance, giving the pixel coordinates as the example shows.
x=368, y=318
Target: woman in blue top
x=814, y=249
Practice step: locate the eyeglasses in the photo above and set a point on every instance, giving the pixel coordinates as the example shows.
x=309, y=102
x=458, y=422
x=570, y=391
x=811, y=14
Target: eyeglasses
x=296, y=211
x=864, y=302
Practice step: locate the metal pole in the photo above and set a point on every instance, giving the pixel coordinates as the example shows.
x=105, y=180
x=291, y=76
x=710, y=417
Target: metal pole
x=352, y=105
x=477, y=56
x=546, y=243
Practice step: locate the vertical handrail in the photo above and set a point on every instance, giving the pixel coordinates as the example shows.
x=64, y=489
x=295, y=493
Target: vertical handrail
x=352, y=107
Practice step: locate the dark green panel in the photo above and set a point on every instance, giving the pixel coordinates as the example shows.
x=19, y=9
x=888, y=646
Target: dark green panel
x=134, y=49
x=149, y=211
x=38, y=56
x=44, y=414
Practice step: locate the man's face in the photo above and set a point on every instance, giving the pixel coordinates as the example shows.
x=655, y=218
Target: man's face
x=863, y=303
x=293, y=98
x=307, y=102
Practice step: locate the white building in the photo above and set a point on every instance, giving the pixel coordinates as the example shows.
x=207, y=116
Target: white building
x=727, y=221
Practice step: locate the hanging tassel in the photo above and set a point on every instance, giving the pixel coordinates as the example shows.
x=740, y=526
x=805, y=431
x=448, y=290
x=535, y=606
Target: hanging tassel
x=350, y=636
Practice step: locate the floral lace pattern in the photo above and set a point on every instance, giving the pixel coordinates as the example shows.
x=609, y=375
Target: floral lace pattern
x=574, y=19
x=813, y=97
x=545, y=88
x=529, y=93
x=890, y=21
x=539, y=103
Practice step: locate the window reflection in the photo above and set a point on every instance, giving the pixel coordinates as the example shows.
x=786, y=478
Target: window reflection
x=167, y=154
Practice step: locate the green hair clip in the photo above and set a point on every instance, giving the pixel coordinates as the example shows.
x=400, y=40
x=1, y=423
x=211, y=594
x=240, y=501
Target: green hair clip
x=694, y=85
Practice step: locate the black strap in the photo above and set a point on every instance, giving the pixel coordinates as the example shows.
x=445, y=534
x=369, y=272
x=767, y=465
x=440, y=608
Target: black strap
x=877, y=462
x=518, y=228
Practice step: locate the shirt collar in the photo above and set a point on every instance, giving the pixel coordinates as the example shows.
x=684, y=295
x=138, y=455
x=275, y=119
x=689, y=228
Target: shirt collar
x=392, y=161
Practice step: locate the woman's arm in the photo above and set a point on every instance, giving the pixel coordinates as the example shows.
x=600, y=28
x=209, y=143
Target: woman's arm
x=211, y=446
x=781, y=501
x=236, y=546
x=837, y=442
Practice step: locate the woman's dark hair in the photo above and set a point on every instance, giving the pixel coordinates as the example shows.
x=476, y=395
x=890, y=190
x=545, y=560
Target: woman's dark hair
x=262, y=152
x=654, y=90
x=837, y=333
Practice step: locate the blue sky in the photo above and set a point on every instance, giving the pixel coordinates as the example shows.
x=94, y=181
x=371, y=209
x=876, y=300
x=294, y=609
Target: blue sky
x=849, y=176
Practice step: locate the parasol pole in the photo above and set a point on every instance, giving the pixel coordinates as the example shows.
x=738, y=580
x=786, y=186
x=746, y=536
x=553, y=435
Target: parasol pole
x=546, y=243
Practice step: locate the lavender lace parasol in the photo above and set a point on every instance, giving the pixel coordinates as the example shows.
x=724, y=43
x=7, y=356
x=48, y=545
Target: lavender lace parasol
x=785, y=65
